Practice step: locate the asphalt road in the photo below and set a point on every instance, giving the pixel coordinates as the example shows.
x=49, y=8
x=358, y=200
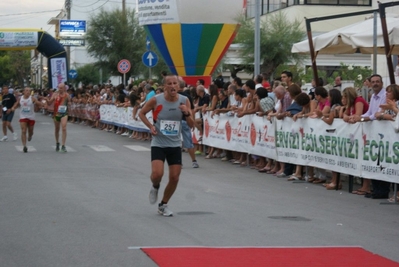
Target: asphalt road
x=89, y=207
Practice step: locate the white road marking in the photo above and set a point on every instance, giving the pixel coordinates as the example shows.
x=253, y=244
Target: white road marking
x=138, y=148
x=101, y=148
x=30, y=148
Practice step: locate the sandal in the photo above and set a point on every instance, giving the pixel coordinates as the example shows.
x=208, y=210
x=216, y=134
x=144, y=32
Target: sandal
x=294, y=178
x=331, y=186
x=237, y=162
x=392, y=199
x=311, y=179
x=362, y=193
x=271, y=172
x=319, y=181
x=265, y=169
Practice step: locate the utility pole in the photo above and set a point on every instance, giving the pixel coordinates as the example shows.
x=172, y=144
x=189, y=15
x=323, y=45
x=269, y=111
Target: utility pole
x=68, y=4
x=257, y=38
x=123, y=6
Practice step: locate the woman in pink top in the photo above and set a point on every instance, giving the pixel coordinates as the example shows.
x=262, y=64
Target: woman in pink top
x=323, y=103
x=355, y=105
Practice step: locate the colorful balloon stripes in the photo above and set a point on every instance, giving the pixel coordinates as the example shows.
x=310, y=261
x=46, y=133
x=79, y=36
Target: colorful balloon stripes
x=192, y=49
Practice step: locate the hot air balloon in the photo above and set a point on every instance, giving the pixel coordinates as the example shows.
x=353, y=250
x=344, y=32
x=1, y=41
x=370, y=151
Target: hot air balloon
x=192, y=36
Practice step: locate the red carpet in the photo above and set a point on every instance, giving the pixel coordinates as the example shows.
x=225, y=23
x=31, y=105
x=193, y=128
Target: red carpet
x=274, y=257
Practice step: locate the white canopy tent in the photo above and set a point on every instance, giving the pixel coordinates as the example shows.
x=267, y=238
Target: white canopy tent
x=357, y=37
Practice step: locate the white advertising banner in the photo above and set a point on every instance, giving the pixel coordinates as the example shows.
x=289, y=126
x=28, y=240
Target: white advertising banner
x=369, y=149
x=312, y=142
x=18, y=39
x=123, y=117
x=59, y=72
x=157, y=12
x=380, y=154
x=263, y=137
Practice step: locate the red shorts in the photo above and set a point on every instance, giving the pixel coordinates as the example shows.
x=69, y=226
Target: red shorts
x=28, y=121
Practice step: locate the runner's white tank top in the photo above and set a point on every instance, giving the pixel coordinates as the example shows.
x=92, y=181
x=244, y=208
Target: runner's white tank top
x=26, y=108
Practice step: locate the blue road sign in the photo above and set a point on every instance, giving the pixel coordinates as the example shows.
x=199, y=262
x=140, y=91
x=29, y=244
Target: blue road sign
x=150, y=59
x=72, y=74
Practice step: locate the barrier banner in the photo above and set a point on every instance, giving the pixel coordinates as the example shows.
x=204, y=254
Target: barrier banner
x=380, y=154
x=368, y=149
x=262, y=135
x=312, y=142
x=123, y=117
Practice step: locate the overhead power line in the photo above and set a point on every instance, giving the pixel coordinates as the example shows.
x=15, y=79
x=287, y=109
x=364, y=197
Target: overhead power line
x=29, y=13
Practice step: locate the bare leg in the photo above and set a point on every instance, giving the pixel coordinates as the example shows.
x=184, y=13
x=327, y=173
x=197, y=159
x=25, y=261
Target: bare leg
x=57, y=131
x=5, y=128
x=157, y=167
x=30, y=132
x=191, y=153
x=10, y=127
x=64, y=121
x=23, y=132
x=174, y=173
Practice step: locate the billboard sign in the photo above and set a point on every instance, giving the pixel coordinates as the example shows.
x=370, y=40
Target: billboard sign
x=18, y=39
x=59, y=72
x=72, y=27
x=72, y=42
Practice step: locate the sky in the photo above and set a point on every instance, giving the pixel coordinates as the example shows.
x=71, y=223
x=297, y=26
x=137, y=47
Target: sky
x=29, y=14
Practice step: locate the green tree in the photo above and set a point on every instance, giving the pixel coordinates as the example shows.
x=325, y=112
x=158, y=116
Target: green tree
x=277, y=35
x=15, y=67
x=113, y=36
x=89, y=73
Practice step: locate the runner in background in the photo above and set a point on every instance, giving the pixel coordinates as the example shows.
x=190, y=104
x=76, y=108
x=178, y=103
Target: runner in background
x=61, y=100
x=8, y=102
x=27, y=103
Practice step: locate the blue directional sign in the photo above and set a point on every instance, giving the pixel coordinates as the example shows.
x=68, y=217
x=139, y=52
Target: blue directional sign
x=72, y=74
x=150, y=59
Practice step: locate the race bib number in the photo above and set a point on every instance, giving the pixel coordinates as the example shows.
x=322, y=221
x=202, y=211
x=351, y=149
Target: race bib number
x=170, y=128
x=25, y=109
x=62, y=109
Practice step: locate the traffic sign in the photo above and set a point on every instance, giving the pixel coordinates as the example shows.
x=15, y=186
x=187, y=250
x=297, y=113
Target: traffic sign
x=124, y=66
x=72, y=74
x=150, y=59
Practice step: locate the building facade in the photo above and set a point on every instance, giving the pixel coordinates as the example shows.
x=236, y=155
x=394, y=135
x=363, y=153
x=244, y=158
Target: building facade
x=301, y=9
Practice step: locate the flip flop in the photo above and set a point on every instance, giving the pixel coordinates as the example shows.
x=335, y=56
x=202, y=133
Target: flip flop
x=271, y=172
x=294, y=178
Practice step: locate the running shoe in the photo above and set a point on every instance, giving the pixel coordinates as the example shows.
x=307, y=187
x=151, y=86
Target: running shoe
x=195, y=164
x=57, y=147
x=29, y=138
x=153, y=195
x=63, y=149
x=25, y=149
x=164, y=210
x=197, y=152
x=4, y=139
x=15, y=136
